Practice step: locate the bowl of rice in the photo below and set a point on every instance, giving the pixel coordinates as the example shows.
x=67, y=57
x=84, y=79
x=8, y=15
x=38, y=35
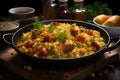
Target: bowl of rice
x=8, y=27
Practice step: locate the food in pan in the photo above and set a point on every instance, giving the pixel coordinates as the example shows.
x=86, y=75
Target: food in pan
x=105, y=20
x=60, y=40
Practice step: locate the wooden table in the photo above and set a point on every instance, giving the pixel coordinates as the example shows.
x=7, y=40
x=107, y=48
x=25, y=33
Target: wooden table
x=10, y=60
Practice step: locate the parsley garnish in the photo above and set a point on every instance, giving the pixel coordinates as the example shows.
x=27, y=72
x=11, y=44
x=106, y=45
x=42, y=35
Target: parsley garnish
x=21, y=39
x=51, y=28
x=93, y=39
x=81, y=30
x=52, y=51
x=34, y=36
x=72, y=26
x=37, y=24
x=62, y=36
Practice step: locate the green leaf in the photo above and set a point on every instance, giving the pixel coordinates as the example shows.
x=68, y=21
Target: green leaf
x=62, y=36
x=34, y=36
x=37, y=24
x=72, y=26
x=97, y=8
x=51, y=28
x=92, y=39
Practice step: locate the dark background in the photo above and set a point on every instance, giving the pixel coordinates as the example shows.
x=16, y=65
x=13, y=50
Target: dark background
x=5, y=5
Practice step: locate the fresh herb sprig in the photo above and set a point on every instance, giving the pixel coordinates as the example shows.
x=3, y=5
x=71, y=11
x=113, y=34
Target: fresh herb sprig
x=51, y=28
x=38, y=24
x=62, y=36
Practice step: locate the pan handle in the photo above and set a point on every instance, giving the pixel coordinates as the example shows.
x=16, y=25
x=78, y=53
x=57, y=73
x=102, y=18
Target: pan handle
x=115, y=44
x=5, y=38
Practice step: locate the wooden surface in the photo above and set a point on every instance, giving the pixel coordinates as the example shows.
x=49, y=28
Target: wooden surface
x=9, y=59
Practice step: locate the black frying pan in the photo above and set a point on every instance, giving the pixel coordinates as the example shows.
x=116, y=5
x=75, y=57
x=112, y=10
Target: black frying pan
x=67, y=62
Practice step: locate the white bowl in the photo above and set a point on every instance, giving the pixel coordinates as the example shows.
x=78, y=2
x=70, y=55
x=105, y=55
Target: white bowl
x=8, y=27
x=21, y=12
x=113, y=31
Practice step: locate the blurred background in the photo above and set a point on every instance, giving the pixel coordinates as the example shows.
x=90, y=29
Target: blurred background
x=5, y=5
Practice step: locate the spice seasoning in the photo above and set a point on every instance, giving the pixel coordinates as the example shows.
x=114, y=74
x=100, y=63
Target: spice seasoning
x=7, y=26
x=49, y=10
x=79, y=12
x=62, y=10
